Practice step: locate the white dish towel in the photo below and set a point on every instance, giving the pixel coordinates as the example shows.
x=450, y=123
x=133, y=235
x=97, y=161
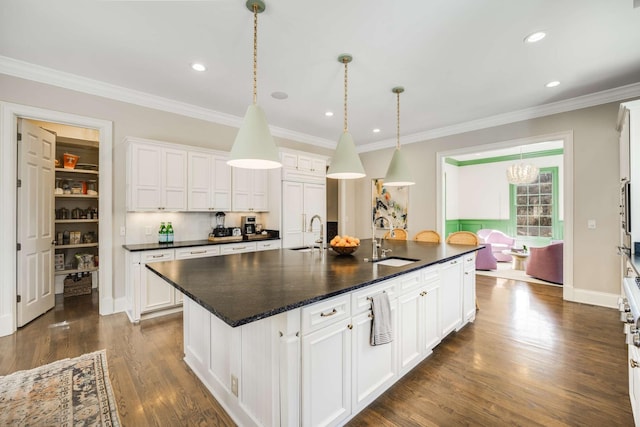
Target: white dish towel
x=381, y=325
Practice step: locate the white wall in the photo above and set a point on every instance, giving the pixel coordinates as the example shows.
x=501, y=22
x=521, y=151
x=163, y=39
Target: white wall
x=483, y=191
x=452, y=185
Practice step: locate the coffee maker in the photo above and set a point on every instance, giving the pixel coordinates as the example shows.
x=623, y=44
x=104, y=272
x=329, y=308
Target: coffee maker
x=248, y=224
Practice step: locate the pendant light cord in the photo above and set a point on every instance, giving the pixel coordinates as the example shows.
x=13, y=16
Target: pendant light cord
x=255, y=54
x=346, y=128
x=398, y=121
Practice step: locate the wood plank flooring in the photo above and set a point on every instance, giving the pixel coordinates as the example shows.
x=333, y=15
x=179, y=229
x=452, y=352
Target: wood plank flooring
x=529, y=359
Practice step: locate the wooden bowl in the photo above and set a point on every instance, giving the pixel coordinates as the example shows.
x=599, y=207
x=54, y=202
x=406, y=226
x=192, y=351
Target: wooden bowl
x=344, y=250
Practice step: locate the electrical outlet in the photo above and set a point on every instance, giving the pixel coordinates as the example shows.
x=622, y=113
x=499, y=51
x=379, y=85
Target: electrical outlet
x=234, y=385
x=147, y=230
x=123, y=231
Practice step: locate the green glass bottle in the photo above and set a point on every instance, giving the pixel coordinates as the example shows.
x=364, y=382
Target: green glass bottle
x=169, y=233
x=162, y=233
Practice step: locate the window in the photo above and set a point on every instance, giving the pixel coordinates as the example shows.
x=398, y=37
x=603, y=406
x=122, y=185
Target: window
x=535, y=207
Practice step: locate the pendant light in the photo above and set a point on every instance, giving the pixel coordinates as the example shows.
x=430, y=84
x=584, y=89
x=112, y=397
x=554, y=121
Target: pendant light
x=521, y=173
x=254, y=147
x=346, y=163
x=398, y=173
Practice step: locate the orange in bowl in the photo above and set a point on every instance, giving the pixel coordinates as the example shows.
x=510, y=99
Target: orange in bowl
x=344, y=245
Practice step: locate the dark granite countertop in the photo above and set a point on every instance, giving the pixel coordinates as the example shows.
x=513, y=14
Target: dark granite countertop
x=190, y=243
x=242, y=288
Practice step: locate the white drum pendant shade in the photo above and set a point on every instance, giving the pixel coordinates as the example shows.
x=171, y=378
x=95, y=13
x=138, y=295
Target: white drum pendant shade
x=398, y=174
x=346, y=163
x=254, y=147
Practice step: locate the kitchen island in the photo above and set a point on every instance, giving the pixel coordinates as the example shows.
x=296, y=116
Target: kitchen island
x=282, y=337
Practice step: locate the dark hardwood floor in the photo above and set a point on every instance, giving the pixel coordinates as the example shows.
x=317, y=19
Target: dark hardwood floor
x=529, y=359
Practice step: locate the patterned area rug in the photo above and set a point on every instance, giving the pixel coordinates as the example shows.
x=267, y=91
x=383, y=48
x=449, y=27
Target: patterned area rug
x=69, y=392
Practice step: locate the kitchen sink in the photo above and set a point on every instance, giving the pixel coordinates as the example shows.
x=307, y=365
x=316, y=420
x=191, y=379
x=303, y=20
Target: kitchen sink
x=396, y=261
x=304, y=249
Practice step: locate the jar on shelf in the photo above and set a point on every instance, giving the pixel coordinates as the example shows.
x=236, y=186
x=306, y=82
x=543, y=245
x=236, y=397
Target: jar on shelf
x=92, y=187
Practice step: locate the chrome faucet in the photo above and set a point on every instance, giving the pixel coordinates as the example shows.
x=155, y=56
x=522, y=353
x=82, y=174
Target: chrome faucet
x=375, y=243
x=321, y=239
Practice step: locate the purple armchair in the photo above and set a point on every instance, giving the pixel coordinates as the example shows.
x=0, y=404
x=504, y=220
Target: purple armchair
x=546, y=263
x=485, y=259
x=499, y=242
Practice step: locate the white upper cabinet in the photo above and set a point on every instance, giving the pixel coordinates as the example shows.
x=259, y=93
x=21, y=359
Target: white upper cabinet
x=302, y=167
x=250, y=190
x=209, y=184
x=156, y=177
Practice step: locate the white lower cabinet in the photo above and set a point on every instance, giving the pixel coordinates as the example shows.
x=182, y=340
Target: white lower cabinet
x=419, y=319
x=634, y=380
x=238, y=248
x=451, y=296
x=155, y=292
x=268, y=245
x=469, y=288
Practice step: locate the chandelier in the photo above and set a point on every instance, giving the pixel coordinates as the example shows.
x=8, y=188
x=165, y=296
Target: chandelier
x=522, y=173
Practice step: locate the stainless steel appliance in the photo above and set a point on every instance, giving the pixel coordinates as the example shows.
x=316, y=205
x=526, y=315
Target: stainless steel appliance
x=248, y=224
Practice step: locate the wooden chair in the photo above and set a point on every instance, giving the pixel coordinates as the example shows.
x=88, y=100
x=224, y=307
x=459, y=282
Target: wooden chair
x=427, y=236
x=462, y=238
x=399, y=232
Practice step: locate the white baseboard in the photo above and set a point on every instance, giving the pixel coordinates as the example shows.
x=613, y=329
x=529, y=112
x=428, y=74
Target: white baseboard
x=583, y=296
x=120, y=305
x=7, y=327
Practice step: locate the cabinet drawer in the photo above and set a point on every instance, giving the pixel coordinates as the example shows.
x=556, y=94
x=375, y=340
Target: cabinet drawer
x=430, y=274
x=197, y=252
x=408, y=282
x=155, y=256
x=469, y=261
x=360, y=299
x=268, y=245
x=324, y=313
x=238, y=248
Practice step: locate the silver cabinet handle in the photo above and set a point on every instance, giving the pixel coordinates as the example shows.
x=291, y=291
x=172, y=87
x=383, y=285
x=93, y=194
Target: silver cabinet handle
x=239, y=248
x=197, y=252
x=157, y=256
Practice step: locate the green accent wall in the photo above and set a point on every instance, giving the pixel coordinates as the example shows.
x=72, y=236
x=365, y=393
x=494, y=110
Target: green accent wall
x=509, y=158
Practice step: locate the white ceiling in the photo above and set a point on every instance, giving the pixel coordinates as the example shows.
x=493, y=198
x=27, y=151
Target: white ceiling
x=460, y=61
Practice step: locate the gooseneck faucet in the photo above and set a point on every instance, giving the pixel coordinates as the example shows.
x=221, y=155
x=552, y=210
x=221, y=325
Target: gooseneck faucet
x=321, y=239
x=375, y=243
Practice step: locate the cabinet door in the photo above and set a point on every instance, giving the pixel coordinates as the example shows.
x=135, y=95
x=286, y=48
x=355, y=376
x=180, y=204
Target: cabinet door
x=469, y=290
x=289, y=160
x=634, y=381
x=326, y=375
x=221, y=194
x=319, y=166
x=292, y=214
x=410, y=329
x=174, y=179
x=260, y=190
x=431, y=318
x=199, y=181
x=451, y=293
x=241, y=184
x=155, y=292
x=374, y=367
x=314, y=204
x=145, y=174
x=305, y=163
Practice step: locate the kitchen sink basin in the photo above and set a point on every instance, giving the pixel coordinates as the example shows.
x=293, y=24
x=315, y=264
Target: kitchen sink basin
x=395, y=261
x=304, y=249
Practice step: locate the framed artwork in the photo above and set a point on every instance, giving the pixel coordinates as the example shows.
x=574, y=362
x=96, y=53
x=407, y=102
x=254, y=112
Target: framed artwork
x=390, y=202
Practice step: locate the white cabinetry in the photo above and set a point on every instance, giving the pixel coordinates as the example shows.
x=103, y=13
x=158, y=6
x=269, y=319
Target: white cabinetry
x=209, y=182
x=300, y=201
x=302, y=163
x=634, y=380
x=469, y=288
x=326, y=362
x=156, y=176
x=629, y=127
x=418, y=314
x=250, y=190
x=451, y=296
x=237, y=248
x=268, y=245
x=155, y=293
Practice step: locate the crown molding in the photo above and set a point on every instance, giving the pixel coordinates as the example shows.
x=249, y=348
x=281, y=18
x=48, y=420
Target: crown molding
x=38, y=73
x=584, y=101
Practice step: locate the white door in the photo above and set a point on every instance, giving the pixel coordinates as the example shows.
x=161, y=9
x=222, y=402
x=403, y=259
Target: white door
x=293, y=225
x=35, y=287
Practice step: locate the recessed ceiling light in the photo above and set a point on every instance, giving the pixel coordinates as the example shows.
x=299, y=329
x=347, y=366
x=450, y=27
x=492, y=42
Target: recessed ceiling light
x=279, y=95
x=535, y=37
x=329, y=113
x=198, y=67
x=376, y=130
x=552, y=84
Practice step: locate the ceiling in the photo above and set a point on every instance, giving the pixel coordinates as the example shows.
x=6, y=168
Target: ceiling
x=461, y=62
